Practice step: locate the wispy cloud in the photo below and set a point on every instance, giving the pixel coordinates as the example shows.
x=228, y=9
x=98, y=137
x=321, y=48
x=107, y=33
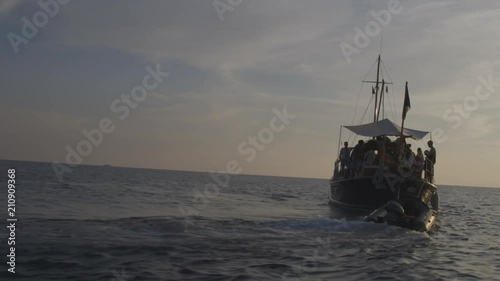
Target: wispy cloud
x=226, y=76
x=8, y=5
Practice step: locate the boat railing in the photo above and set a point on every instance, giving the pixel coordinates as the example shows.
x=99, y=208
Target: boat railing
x=369, y=168
x=425, y=172
x=429, y=172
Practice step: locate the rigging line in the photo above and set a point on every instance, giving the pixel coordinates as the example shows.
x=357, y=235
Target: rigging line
x=383, y=105
x=381, y=42
x=382, y=74
x=392, y=103
x=370, y=70
x=359, y=94
x=392, y=86
x=366, y=110
x=383, y=96
x=357, y=103
x=351, y=134
x=385, y=69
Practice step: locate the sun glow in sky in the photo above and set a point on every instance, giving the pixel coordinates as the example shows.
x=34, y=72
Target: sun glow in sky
x=237, y=73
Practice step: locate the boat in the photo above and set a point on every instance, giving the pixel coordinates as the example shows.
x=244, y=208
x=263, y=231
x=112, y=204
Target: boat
x=380, y=177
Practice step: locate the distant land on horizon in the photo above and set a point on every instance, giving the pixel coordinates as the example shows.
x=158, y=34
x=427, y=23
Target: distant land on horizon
x=242, y=174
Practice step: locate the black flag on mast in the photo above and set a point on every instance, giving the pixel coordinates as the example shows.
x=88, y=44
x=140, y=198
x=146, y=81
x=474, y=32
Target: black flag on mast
x=406, y=106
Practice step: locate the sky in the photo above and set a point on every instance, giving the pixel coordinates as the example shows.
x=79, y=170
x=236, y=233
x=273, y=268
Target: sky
x=258, y=87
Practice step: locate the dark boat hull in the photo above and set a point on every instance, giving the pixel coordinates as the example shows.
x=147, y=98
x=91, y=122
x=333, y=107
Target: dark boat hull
x=364, y=193
x=358, y=194
x=396, y=200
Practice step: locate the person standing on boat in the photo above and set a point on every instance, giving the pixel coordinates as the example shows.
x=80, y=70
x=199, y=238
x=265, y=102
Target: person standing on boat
x=344, y=158
x=419, y=163
x=427, y=166
x=357, y=158
x=432, y=152
x=431, y=156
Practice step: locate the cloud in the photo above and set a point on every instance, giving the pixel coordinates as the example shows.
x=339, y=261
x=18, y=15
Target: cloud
x=8, y=5
x=227, y=76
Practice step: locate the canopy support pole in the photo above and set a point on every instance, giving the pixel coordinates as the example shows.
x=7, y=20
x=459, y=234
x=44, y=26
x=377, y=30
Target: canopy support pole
x=340, y=138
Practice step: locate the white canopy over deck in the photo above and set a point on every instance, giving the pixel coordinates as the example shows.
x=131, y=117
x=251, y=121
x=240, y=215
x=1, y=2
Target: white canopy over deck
x=385, y=127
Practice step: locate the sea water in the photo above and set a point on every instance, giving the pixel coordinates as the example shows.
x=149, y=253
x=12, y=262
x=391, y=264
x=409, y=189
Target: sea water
x=124, y=224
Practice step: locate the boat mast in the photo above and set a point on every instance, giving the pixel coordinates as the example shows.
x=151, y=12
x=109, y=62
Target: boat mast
x=375, y=115
x=381, y=99
x=378, y=100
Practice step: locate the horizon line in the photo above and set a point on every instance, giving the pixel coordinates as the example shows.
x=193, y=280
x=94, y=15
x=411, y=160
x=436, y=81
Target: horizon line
x=193, y=171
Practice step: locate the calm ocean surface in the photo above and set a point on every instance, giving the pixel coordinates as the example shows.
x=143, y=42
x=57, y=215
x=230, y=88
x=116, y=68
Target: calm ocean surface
x=109, y=223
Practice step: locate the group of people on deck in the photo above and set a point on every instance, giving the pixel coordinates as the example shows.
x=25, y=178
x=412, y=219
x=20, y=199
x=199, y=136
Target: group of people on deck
x=394, y=154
